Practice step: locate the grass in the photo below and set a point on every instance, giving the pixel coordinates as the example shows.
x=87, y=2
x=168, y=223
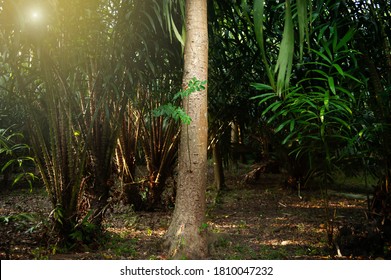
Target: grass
x=119, y=246
x=354, y=184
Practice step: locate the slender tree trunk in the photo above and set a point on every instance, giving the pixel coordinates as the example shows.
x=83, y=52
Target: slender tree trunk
x=187, y=236
x=235, y=143
x=218, y=171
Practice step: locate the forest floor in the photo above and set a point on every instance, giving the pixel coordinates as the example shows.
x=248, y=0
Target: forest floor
x=263, y=220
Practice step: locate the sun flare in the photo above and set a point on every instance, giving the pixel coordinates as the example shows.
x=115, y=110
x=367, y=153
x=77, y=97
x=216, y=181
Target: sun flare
x=35, y=15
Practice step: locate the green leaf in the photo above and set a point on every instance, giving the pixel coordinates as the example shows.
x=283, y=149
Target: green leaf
x=322, y=56
x=281, y=126
x=303, y=24
x=332, y=85
x=353, y=78
x=343, y=42
x=18, y=178
x=274, y=106
x=259, y=16
x=328, y=51
x=7, y=164
x=285, y=55
x=322, y=113
x=347, y=92
x=265, y=97
x=326, y=100
x=322, y=130
x=341, y=121
x=287, y=138
x=259, y=86
x=342, y=107
x=292, y=126
x=339, y=69
x=309, y=101
x=259, y=6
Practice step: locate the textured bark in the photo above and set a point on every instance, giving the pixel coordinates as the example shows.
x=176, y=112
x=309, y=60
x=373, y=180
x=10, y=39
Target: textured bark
x=186, y=236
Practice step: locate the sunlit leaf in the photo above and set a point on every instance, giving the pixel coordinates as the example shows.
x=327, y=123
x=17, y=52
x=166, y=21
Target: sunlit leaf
x=17, y=178
x=259, y=17
x=303, y=21
x=322, y=113
x=7, y=164
x=285, y=55
x=326, y=100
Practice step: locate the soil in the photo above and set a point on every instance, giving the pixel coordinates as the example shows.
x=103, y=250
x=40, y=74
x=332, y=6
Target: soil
x=262, y=220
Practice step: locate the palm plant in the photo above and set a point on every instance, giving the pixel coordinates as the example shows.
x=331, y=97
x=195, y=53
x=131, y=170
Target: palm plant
x=315, y=117
x=157, y=78
x=160, y=138
x=331, y=117
x=75, y=83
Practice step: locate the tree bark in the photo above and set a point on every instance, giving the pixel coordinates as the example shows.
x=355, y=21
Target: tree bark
x=186, y=237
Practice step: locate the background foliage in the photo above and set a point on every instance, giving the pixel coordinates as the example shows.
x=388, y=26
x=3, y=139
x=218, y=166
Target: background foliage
x=86, y=87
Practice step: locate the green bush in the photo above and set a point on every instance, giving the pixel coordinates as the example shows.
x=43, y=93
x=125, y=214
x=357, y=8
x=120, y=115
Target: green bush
x=14, y=157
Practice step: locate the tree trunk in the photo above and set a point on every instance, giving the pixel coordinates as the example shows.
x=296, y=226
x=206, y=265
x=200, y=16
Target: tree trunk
x=218, y=171
x=235, y=143
x=186, y=235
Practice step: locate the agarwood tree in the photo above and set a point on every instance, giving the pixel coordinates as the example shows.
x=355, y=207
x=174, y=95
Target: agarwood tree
x=187, y=236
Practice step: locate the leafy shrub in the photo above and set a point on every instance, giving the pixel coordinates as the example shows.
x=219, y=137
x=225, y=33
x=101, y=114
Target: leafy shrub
x=14, y=157
x=314, y=117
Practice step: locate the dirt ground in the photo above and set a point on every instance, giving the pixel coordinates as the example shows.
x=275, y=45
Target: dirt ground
x=264, y=220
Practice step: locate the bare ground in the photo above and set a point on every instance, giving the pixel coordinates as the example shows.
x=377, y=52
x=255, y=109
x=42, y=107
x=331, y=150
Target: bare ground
x=259, y=221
